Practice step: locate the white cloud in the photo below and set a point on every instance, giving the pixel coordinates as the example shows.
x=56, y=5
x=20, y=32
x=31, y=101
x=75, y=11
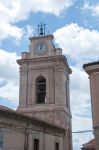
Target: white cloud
x=7, y=30
x=80, y=86
x=80, y=107
x=80, y=99
x=29, y=31
x=48, y=6
x=81, y=138
x=10, y=92
x=9, y=75
x=7, y=17
x=78, y=42
x=94, y=9
x=18, y=10
x=80, y=45
x=52, y=6
x=8, y=65
x=81, y=124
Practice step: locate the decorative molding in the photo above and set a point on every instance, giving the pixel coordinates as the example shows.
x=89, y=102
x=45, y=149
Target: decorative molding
x=23, y=70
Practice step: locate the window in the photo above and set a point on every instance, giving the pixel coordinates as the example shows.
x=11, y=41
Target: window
x=56, y=146
x=36, y=144
x=40, y=90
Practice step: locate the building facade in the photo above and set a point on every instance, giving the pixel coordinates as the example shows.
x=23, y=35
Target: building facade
x=93, y=71
x=44, y=83
x=43, y=95
x=21, y=132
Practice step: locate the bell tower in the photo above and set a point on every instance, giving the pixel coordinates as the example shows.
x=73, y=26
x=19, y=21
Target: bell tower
x=44, y=81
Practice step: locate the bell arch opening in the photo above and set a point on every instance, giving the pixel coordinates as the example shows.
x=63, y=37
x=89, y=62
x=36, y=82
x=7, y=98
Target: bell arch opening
x=40, y=90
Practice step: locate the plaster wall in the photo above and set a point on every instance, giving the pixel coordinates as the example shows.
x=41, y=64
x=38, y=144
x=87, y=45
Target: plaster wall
x=94, y=83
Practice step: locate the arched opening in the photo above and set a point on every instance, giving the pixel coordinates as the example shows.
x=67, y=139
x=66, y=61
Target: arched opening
x=40, y=90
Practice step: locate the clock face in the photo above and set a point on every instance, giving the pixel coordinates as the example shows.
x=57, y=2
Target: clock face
x=41, y=48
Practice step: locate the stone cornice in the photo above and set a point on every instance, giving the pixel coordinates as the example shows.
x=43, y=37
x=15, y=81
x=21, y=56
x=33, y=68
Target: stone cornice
x=10, y=114
x=41, y=37
x=46, y=108
x=46, y=59
x=91, y=68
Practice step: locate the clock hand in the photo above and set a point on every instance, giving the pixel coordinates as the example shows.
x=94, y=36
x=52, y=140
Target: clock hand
x=40, y=47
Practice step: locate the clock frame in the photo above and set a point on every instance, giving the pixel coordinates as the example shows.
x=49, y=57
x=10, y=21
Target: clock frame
x=41, y=48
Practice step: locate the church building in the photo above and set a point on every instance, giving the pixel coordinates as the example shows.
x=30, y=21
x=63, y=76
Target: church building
x=42, y=120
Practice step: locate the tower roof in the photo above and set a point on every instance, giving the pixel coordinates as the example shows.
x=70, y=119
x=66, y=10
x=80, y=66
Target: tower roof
x=90, y=144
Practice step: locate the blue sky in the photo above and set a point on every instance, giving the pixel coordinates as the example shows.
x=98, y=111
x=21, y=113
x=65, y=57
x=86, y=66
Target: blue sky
x=75, y=26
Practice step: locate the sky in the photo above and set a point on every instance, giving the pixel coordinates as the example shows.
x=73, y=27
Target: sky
x=75, y=26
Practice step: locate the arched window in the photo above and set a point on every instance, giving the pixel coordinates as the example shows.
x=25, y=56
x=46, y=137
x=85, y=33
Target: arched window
x=40, y=90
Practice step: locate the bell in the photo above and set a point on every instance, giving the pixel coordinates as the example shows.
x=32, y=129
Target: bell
x=41, y=31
